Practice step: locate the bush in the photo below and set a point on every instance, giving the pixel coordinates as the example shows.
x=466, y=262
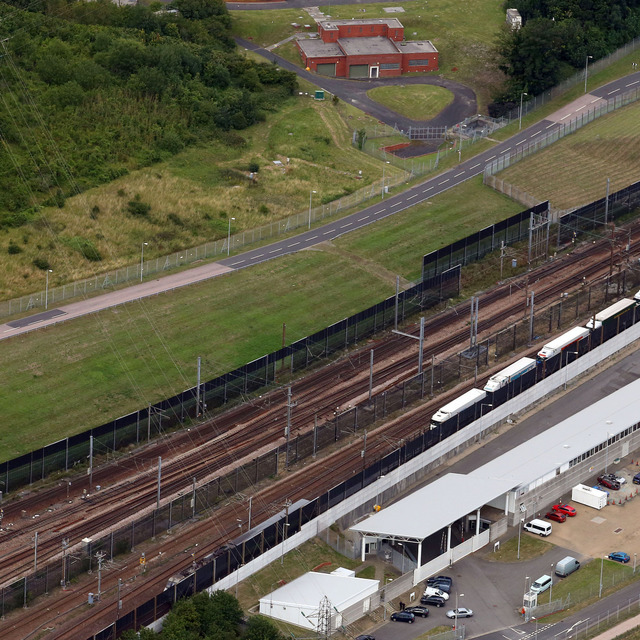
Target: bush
x=41, y=263
x=254, y=167
x=13, y=248
x=138, y=208
x=85, y=247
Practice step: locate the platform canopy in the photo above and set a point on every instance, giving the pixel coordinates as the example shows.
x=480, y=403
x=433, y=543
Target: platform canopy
x=433, y=508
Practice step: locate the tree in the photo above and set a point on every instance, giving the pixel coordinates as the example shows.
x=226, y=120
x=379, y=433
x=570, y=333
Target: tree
x=260, y=628
x=182, y=622
x=220, y=614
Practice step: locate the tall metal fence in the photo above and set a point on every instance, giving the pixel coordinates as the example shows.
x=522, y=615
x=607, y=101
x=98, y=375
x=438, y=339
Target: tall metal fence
x=142, y=425
x=601, y=108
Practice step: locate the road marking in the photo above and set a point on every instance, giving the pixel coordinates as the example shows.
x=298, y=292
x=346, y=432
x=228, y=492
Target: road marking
x=346, y=225
x=361, y=219
x=505, y=150
x=447, y=180
x=327, y=232
x=425, y=190
x=610, y=92
x=312, y=238
x=582, y=107
x=415, y=195
x=396, y=204
x=553, y=124
x=632, y=83
x=259, y=256
x=491, y=158
x=564, y=117
x=536, y=133
x=293, y=244
x=459, y=174
x=376, y=212
x=275, y=250
x=233, y=264
x=521, y=141
x=474, y=166
x=594, y=100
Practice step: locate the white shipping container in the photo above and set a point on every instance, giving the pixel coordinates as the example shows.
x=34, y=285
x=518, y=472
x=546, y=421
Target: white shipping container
x=589, y=496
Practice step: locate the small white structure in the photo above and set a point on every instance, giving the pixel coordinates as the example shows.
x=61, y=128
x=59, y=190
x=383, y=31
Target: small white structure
x=514, y=19
x=298, y=602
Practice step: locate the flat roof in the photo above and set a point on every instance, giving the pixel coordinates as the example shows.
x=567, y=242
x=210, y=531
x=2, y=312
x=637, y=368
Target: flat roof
x=392, y=23
x=453, y=496
x=319, y=49
x=416, y=46
x=304, y=591
x=367, y=46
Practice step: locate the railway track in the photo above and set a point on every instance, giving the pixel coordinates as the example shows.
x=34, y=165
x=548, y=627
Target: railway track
x=317, y=394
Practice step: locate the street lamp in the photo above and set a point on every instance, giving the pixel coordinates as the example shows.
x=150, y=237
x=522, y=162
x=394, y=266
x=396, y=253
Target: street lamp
x=524, y=93
x=383, y=179
x=551, y=585
x=229, y=237
x=455, y=613
x=566, y=364
x=519, y=529
x=310, y=197
x=601, y=568
x=586, y=71
x=46, y=290
x=144, y=244
x=284, y=537
x=401, y=545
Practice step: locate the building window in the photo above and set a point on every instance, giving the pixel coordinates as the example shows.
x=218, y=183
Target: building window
x=389, y=65
x=360, y=29
x=418, y=63
x=372, y=28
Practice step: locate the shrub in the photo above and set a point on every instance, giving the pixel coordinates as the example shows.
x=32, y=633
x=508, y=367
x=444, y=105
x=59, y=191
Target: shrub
x=41, y=263
x=254, y=167
x=13, y=248
x=176, y=219
x=85, y=247
x=95, y=210
x=263, y=209
x=138, y=208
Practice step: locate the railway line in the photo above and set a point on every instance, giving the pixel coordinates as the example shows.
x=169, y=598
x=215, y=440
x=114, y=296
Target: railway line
x=245, y=429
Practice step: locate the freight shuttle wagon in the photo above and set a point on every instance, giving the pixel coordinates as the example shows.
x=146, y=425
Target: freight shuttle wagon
x=611, y=314
x=511, y=373
x=558, y=345
x=456, y=406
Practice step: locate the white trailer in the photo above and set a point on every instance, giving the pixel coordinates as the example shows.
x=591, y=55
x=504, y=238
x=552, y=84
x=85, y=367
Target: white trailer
x=611, y=313
x=511, y=373
x=456, y=406
x=559, y=344
x=589, y=496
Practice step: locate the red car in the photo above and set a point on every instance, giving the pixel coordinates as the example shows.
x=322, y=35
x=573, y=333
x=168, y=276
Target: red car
x=564, y=508
x=607, y=482
x=554, y=515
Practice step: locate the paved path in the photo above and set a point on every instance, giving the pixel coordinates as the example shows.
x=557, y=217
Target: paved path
x=385, y=207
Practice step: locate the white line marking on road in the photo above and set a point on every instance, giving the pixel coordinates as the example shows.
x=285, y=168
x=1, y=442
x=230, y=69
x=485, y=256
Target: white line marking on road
x=346, y=225
x=361, y=219
x=415, y=195
x=312, y=238
x=610, y=92
x=553, y=124
x=328, y=232
x=459, y=174
x=582, y=107
x=491, y=158
x=275, y=250
x=505, y=150
x=447, y=180
x=521, y=141
x=632, y=83
x=474, y=166
x=233, y=264
x=536, y=133
x=259, y=256
x=376, y=212
x=396, y=204
x=293, y=244
x=425, y=190
x=567, y=116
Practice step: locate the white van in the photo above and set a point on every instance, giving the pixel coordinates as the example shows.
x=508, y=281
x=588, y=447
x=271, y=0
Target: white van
x=541, y=584
x=567, y=566
x=434, y=591
x=540, y=527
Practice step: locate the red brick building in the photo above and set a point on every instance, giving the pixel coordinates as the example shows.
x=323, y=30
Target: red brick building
x=366, y=49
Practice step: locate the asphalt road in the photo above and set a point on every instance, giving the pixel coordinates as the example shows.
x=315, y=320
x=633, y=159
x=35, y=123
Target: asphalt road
x=493, y=590
x=387, y=206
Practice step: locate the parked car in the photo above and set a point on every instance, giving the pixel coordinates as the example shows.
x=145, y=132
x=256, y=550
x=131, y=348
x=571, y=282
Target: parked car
x=460, y=612
x=564, y=508
x=608, y=482
x=636, y=478
x=614, y=478
x=365, y=637
x=403, y=616
x=619, y=556
x=418, y=611
x=434, y=591
x=555, y=515
x=436, y=601
x=442, y=580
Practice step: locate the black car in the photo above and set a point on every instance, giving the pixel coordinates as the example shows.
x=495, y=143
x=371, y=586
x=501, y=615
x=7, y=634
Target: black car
x=440, y=579
x=365, y=637
x=436, y=601
x=636, y=478
x=418, y=611
x=403, y=616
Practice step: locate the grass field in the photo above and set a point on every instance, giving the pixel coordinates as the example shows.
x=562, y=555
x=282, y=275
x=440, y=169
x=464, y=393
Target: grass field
x=194, y=195
x=463, y=33
x=574, y=170
x=62, y=380
x=419, y=102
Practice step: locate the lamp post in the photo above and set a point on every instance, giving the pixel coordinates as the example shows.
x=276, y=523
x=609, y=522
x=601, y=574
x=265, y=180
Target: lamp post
x=229, y=237
x=566, y=364
x=383, y=179
x=551, y=586
x=284, y=537
x=586, y=72
x=144, y=244
x=519, y=529
x=46, y=290
x=402, y=546
x=524, y=93
x=310, y=197
x=601, y=568
x=606, y=453
x=455, y=613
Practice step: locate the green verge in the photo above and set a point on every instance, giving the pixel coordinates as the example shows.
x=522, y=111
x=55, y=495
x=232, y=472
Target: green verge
x=420, y=102
x=82, y=373
x=575, y=169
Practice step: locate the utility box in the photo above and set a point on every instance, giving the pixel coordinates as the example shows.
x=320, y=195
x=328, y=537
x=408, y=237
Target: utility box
x=319, y=95
x=589, y=496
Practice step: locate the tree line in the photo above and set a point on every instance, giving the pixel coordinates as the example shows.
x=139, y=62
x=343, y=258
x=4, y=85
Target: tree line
x=92, y=90
x=555, y=41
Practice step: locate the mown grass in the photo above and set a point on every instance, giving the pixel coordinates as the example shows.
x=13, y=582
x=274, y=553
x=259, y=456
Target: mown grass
x=194, y=195
x=574, y=170
x=419, y=102
x=64, y=379
x=463, y=32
